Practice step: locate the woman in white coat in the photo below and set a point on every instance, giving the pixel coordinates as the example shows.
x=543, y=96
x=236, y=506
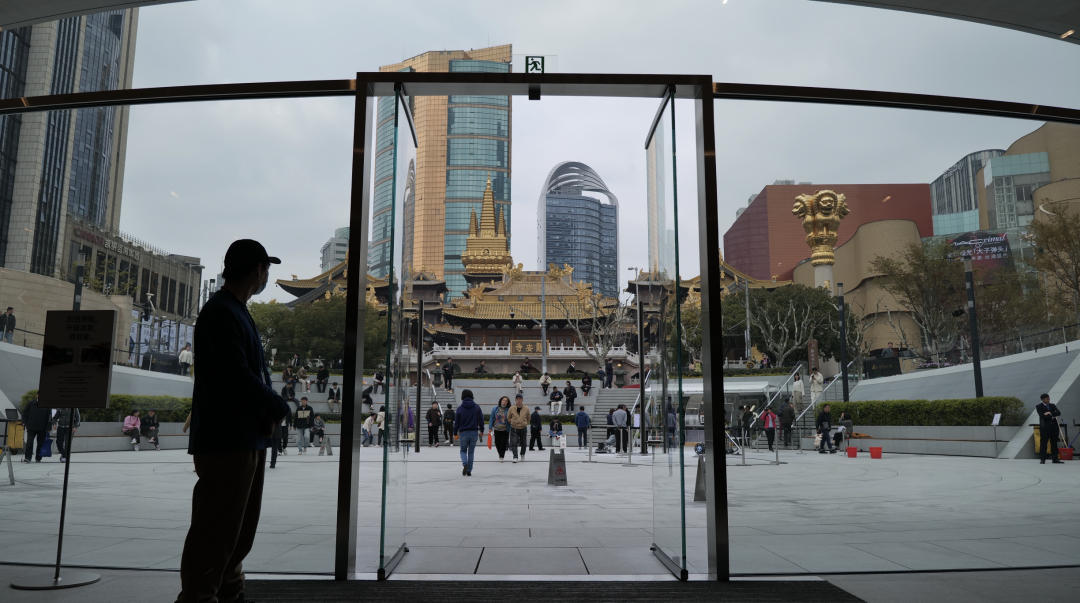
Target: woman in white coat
x=797, y=392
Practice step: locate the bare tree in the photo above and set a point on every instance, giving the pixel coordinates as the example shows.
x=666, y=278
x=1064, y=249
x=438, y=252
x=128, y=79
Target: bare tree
x=785, y=319
x=930, y=286
x=599, y=323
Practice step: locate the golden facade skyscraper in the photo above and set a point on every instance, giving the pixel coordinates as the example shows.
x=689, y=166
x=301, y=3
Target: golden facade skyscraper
x=461, y=140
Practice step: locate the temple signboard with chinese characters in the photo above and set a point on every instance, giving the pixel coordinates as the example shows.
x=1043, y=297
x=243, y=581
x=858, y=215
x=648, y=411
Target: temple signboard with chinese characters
x=520, y=347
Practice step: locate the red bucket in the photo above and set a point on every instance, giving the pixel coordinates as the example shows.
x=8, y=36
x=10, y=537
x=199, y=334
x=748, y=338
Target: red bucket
x=1065, y=454
x=875, y=453
x=852, y=452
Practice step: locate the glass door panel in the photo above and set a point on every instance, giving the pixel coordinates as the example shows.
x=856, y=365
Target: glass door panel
x=395, y=157
x=663, y=393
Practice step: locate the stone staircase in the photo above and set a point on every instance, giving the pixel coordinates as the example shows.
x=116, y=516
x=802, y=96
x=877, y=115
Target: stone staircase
x=607, y=399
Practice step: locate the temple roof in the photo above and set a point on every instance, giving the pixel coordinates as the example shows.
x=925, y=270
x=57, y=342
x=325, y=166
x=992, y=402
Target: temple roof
x=521, y=292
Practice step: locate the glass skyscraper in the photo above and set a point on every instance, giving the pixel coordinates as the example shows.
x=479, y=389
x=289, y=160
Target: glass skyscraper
x=954, y=196
x=577, y=229
x=1010, y=181
x=461, y=141
x=70, y=163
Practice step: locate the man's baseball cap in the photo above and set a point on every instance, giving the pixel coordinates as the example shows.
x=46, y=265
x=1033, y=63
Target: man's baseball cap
x=242, y=255
x=519, y=397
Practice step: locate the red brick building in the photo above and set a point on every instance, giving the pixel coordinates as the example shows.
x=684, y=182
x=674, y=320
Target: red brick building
x=766, y=240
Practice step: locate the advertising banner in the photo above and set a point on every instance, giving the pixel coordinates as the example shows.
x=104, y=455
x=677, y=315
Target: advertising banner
x=989, y=250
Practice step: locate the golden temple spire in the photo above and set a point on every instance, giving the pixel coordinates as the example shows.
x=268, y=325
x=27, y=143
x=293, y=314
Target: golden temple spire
x=502, y=223
x=487, y=212
x=473, y=228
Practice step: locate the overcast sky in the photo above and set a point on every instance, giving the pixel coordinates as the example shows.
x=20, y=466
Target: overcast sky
x=201, y=175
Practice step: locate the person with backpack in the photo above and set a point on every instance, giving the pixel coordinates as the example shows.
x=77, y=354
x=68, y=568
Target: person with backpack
x=469, y=427
x=583, y=423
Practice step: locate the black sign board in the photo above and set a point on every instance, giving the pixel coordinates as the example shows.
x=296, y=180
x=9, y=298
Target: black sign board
x=881, y=367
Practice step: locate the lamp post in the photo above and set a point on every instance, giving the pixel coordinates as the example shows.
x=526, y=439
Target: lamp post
x=746, y=333
x=843, y=338
x=973, y=324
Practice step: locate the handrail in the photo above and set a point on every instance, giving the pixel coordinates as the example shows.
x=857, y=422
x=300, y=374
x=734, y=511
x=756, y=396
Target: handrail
x=769, y=402
x=814, y=401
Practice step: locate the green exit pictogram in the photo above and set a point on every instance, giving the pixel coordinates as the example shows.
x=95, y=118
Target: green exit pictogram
x=534, y=64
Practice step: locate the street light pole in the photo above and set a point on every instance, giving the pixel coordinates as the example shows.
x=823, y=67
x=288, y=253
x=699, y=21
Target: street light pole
x=973, y=324
x=641, y=358
x=746, y=333
x=843, y=338
x=543, y=323
x=419, y=363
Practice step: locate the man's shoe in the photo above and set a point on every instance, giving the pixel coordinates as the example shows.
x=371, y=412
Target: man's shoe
x=157, y=447
x=515, y=459
x=132, y=440
x=833, y=451
x=464, y=470
x=821, y=452
x=136, y=447
x=469, y=473
x=26, y=460
x=1042, y=462
x=1059, y=462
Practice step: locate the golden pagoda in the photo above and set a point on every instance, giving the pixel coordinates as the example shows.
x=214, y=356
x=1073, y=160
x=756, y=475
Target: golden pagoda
x=487, y=248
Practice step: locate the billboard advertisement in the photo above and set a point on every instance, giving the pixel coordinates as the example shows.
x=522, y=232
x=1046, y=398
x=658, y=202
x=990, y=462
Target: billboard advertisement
x=989, y=250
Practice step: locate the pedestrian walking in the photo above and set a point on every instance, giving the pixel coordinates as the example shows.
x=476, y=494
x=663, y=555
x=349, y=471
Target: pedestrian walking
x=1048, y=429
x=535, y=429
x=610, y=424
x=824, y=425
x=545, y=383
x=609, y=373
x=35, y=420
x=279, y=441
x=448, y=423
x=787, y=420
x=621, y=434
x=747, y=421
x=817, y=384
x=131, y=428
x=768, y=422
x=797, y=393
x=448, y=375
x=7, y=324
x=499, y=423
x=468, y=427
x=186, y=359
x=234, y=410
x=586, y=384
x=517, y=382
x=65, y=421
x=434, y=424
x=519, y=422
x=302, y=422
x=583, y=423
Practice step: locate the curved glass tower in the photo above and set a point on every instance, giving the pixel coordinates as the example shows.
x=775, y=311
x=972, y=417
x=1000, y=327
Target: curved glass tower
x=577, y=229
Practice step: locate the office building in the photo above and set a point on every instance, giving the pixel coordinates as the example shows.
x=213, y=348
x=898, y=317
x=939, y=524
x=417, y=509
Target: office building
x=334, y=250
x=766, y=241
x=1041, y=167
x=577, y=229
x=954, y=196
x=62, y=165
x=461, y=141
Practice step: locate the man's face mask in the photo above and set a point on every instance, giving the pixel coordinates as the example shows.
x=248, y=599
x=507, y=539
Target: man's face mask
x=266, y=279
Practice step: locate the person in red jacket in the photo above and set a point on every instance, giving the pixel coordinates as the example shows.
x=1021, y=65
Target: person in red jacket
x=768, y=422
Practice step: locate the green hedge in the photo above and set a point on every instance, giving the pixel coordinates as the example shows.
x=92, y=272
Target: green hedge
x=944, y=413
x=170, y=409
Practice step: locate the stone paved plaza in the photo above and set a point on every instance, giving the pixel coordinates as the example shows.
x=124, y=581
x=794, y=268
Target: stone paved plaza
x=816, y=514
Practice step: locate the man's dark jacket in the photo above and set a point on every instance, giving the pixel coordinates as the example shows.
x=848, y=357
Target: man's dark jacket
x=787, y=415
x=36, y=418
x=233, y=406
x=7, y=323
x=535, y=421
x=824, y=420
x=307, y=420
x=1046, y=422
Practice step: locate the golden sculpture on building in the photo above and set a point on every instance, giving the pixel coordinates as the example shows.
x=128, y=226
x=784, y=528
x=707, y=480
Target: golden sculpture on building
x=821, y=214
x=487, y=248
